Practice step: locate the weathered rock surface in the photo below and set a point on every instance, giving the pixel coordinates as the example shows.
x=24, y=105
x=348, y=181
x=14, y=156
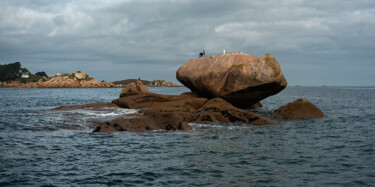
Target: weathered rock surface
x=172, y=112
x=134, y=89
x=299, y=109
x=141, y=123
x=241, y=79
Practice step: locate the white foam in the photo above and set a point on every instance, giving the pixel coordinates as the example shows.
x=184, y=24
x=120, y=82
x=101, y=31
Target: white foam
x=105, y=113
x=219, y=126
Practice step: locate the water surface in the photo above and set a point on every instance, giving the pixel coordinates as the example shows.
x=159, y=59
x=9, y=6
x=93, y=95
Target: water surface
x=42, y=147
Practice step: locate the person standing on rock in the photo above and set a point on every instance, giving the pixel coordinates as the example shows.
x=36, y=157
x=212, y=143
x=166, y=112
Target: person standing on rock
x=202, y=54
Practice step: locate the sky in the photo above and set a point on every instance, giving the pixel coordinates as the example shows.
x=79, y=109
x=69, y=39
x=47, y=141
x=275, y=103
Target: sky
x=320, y=42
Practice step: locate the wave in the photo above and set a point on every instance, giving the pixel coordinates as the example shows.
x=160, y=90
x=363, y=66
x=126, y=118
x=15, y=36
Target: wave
x=105, y=112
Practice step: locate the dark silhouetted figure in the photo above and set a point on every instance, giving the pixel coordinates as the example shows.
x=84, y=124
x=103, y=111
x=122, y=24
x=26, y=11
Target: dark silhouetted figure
x=202, y=54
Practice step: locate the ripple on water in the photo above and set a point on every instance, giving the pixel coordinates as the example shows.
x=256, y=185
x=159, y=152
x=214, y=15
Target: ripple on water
x=41, y=147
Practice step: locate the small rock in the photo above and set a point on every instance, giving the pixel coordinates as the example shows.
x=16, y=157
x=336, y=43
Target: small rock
x=257, y=105
x=299, y=109
x=184, y=126
x=134, y=89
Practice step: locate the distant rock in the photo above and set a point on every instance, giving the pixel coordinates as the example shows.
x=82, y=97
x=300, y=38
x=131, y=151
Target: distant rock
x=162, y=83
x=241, y=79
x=123, y=83
x=105, y=84
x=299, y=109
x=63, y=80
x=134, y=89
x=154, y=83
x=80, y=75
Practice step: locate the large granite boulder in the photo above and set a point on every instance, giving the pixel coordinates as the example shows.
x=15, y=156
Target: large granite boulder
x=299, y=109
x=241, y=79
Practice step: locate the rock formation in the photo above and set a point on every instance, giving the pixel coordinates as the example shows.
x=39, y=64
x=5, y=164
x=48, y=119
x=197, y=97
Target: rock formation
x=241, y=79
x=105, y=84
x=154, y=83
x=217, y=82
x=75, y=80
x=163, y=83
x=168, y=112
x=134, y=89
x=172, y=112
x=299, y=109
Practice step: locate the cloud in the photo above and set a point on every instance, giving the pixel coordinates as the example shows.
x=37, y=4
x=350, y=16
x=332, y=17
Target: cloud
x=114, y=39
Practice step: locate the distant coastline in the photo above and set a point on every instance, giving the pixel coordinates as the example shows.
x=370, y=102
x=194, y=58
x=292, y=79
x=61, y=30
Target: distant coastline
x=67, y=81
x=154, y=83
x=14, y=76
x=78, y=79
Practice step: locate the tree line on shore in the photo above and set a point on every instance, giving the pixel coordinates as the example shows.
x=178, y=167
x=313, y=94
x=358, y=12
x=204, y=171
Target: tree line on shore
x=13, y=71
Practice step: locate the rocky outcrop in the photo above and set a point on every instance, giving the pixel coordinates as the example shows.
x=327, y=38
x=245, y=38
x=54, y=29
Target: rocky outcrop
x=134, y=89
x=172, y=112
x=163, y=83
x=220, y=85
x=175, y=112
x=66, y=81
x=299, y=109
x=105, y=84
x=241, y=79
x=141, y=123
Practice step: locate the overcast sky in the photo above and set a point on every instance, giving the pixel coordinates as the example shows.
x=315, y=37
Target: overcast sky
x=320, y=42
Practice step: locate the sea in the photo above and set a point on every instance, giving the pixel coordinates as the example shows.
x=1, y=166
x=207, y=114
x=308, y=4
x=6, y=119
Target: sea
x=43, y=147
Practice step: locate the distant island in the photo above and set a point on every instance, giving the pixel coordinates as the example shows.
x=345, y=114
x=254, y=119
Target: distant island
x=13, y=76
x=154, y=83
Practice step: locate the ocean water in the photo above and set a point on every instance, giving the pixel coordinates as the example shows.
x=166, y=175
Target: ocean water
x=40, y=147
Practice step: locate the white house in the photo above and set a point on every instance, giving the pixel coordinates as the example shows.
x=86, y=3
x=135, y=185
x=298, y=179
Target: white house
x=25, y=75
